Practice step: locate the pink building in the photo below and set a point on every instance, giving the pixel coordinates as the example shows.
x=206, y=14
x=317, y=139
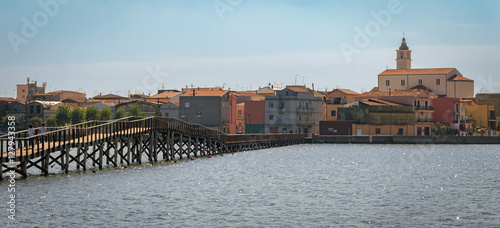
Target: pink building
x=446, y=110
x=254, y=117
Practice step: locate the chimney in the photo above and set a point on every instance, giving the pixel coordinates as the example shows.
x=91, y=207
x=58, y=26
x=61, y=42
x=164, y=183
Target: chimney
x=194, y=92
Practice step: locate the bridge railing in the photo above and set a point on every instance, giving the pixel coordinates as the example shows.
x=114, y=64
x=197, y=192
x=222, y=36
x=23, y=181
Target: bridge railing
x=94, y=131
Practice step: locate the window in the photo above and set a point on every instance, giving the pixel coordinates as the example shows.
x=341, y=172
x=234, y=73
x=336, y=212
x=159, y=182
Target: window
x=282, y=105
x=403, y=82
x=166, y=114
x=271, y=117
x=183, y=117
x=239, y=112
x=186, y=105
x=400, y=131
x=38, y=109
x=377, y=130
x=23, y=92
x=438, y=81
x=387, y=83
x=271, y=104
x=333, y=113
x=32, y=109
x=286, y=93
x=420, y=81
x=198, y=117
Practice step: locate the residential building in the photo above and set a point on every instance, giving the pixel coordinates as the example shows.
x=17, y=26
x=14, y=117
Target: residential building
x=170, y=109
x=210, y=108
x=335, y=99
x=447, y=82
x=420, y=100
x=117, y=99
x=165, y=97
x=40, y=109
x=490, y=99
x=448, y=110
x=295, y=109
x=481, y=116
x=240, y=118
x=29, y=89
x=379, y=117
x=254, y=116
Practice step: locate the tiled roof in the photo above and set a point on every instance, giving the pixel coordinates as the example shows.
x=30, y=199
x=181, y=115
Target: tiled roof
x=64, y=91
x=9, y=99
x=299, y=90
x=413, y=92
x=379, y=102
x=459, y=78
x=346, y=91
x=165, y=95
x=110, y=96
x=205, y=93
x=421, y=87
x=417, y=71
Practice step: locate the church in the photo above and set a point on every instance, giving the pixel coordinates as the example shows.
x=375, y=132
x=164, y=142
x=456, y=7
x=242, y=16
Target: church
x=444, y=82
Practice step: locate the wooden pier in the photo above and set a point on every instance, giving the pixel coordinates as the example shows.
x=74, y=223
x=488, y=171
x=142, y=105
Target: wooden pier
x=131, y=140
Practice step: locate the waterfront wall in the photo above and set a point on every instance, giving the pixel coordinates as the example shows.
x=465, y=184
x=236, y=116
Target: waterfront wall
x=406, y=139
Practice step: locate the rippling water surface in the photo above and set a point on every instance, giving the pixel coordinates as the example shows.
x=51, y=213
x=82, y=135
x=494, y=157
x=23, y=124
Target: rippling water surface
x=296, y=186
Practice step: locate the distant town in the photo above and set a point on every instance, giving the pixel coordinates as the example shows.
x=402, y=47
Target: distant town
x=406, y=102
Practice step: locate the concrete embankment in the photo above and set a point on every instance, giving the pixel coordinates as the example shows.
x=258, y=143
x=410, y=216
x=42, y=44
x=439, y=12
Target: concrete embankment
x=405, y=139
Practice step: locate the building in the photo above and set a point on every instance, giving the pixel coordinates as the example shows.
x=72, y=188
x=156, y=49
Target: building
x=295, y=109
x=254, y=116
x=490, y=99
x=57, y=96
x=170, y=109
x=481, y=116
x=448, y=82
x=210, y=108
x=421, y=101
x=379, y=117
x=448, y=110
x=28, y=90
x=41, y=109
x=116, y=99
x=335, y=99
x=165, y=97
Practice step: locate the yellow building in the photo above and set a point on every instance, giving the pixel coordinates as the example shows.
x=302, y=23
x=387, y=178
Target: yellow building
x=337, y=99
x=480, y=116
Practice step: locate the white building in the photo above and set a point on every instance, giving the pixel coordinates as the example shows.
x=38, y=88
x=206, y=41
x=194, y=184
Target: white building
x=294, y=109
x=446, y=82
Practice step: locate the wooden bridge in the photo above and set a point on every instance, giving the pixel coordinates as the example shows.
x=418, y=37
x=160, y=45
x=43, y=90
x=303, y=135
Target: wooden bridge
x=122, y=142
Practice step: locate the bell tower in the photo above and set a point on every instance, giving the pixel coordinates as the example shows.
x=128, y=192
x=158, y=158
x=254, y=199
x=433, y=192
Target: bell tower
x=403, y=61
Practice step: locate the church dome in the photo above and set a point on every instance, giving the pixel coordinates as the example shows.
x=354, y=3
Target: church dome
x=403, y=45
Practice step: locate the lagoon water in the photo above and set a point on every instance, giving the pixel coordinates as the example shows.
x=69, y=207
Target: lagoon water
x=295, y=186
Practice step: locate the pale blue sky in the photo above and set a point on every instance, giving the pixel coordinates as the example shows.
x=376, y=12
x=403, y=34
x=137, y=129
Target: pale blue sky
x=104, y=46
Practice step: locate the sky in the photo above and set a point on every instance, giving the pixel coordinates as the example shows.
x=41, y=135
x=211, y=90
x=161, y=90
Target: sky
x=126, y=46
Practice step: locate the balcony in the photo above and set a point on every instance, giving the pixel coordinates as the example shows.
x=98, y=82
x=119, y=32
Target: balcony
x=424, y=120
x=424, y=107
x=304, y=109
x=492, y=118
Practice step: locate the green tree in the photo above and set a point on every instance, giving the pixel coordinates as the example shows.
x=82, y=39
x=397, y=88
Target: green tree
x=136, y=110
x=158, y=112
x=105, y=114
x=443, y=129
x=36, y=121
x=120, y=113
x=77, y=115
x=51, y=122
x=92, y=113
x=63, y=115
x=6, y=121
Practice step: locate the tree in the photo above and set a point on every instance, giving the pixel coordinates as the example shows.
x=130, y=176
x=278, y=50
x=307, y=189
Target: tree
x=92, y=113
x=158, y=112
x=77, y=115
x=36, y=121
x=51, y=122
x=6, y=121
x=105, y=114
x=443, y=129
x=63, y=115
x=136, y=110
x=120, y=113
